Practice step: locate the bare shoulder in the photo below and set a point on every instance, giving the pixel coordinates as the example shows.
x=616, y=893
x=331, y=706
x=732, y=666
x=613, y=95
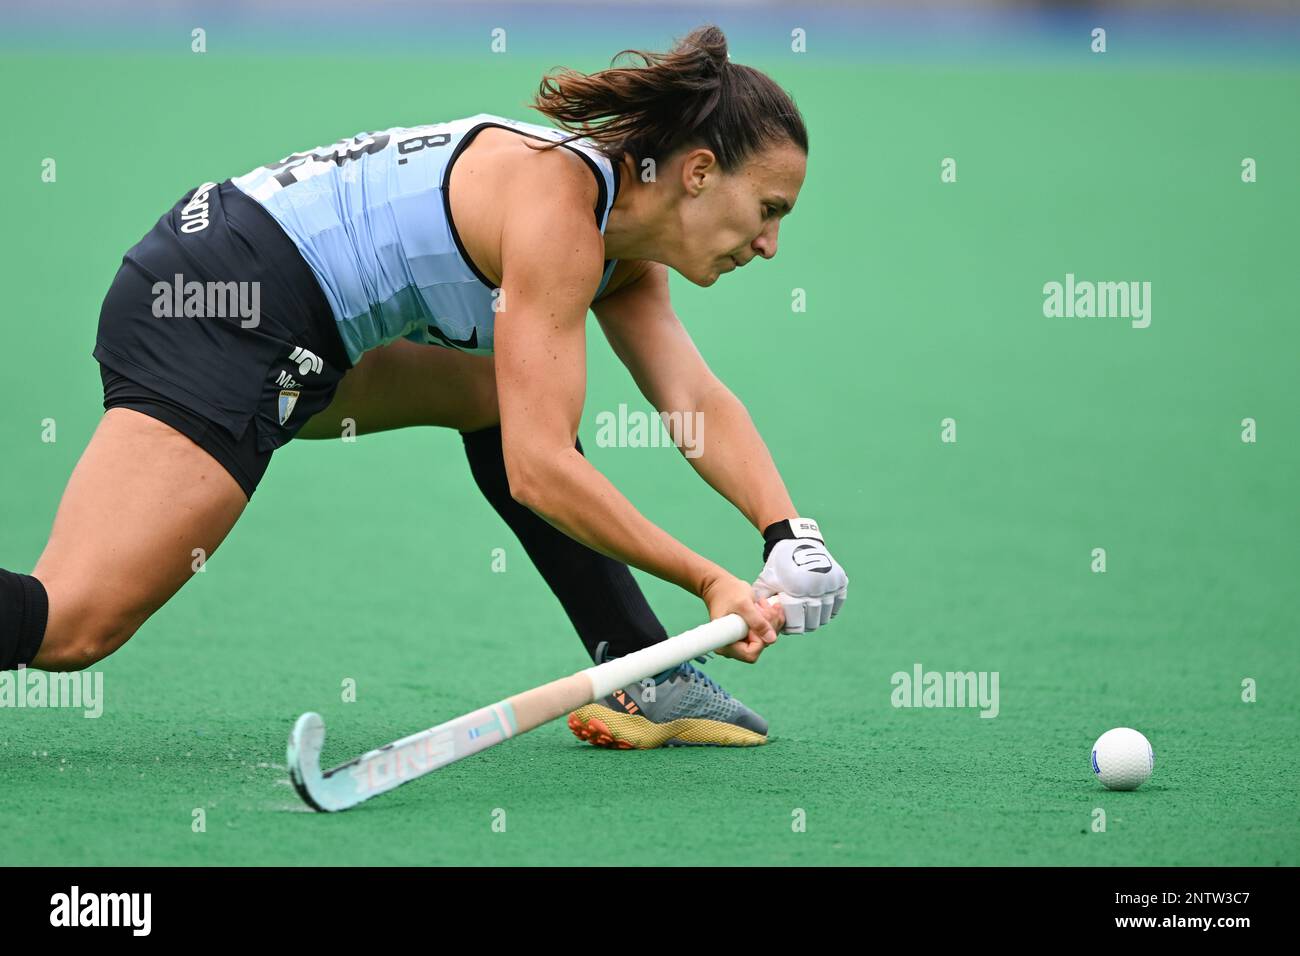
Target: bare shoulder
x=504, y=193
x=551, y=238
x=545, y=177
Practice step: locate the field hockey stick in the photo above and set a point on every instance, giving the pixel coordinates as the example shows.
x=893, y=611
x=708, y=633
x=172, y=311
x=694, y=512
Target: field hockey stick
x=422, y=753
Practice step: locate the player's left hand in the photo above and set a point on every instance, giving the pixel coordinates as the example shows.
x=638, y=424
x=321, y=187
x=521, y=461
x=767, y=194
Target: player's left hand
x=811, y=584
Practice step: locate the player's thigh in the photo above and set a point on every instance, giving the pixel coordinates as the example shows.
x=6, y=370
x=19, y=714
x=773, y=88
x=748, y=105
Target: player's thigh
x=141, y=501
x=403, y=384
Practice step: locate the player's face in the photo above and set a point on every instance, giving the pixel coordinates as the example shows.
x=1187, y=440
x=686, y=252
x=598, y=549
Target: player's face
x=731, y=218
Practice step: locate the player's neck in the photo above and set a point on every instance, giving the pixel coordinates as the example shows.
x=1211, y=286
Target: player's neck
x=638, y=221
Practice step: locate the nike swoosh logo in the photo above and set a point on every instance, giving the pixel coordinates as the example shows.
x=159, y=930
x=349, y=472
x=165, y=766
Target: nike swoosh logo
x=469, y=343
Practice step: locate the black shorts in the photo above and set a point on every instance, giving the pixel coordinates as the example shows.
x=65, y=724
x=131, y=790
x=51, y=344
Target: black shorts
x=216, y=325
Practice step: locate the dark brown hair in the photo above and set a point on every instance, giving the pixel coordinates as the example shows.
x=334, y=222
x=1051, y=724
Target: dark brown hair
x=691, y=96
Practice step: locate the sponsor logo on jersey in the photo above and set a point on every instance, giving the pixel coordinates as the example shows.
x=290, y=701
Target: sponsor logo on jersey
x=308, y=362
x=288, y=399
x=285, y=380
x=439, y=337
x=194, y=214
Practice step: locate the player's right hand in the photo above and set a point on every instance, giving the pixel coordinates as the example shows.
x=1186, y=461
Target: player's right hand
x=809, y=583
x=725, y=595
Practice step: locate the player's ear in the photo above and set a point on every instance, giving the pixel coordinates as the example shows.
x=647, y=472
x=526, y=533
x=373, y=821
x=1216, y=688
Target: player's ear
x=699, y=167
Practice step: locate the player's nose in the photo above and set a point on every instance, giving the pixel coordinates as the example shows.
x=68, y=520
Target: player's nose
x=765, y=244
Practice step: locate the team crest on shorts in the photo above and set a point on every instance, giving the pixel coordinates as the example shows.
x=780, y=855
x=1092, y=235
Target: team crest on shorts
x=288, y=399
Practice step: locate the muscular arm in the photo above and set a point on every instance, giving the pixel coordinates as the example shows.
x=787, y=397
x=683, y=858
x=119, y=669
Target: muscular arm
x=551, y=265
x=639, y=321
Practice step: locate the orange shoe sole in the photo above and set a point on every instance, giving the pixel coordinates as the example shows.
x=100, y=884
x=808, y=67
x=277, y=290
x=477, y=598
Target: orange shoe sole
x=594, y=731
x=602, y=727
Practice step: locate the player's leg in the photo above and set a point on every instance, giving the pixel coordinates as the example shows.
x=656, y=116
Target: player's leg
x=141, y=500
x=600, y=595
x=195, y=405
x=405, y=384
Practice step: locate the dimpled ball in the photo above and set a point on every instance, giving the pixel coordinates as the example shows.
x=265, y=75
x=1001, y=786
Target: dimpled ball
x=1122, y=759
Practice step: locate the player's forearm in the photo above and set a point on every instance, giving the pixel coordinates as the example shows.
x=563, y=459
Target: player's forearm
x=567, y=491
x=732, y=457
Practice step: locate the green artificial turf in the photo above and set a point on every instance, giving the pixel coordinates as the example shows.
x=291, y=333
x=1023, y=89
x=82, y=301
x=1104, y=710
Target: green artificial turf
x=924, y=302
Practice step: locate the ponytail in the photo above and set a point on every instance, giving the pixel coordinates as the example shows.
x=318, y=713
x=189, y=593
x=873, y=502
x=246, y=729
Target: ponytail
x=691, y=96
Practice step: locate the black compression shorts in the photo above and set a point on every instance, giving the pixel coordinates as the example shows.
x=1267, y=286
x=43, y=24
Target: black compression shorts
x=216, y=325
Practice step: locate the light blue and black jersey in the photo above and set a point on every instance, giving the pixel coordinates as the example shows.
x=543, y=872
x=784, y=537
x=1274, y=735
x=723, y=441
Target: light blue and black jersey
x=372, y=218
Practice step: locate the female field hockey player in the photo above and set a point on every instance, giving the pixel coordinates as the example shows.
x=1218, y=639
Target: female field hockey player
x=441, y=275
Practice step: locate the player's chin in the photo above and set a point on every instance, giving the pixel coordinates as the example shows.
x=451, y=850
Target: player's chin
x=707, y=276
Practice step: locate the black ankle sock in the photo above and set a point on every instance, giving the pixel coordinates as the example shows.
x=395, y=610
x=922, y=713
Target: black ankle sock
x=23, y=611
x=598, y=593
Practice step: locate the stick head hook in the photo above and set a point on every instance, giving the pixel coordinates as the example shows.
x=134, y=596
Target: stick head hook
x=306, y=741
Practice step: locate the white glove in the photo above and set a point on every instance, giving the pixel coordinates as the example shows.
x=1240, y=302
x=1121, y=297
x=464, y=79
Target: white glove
x=810, y=583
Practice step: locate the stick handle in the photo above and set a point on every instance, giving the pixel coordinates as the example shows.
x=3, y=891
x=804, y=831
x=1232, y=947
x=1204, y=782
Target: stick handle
x=542, y=704
x=605, y=678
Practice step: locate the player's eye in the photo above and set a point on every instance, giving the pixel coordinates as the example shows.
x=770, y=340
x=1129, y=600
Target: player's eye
x=768, y=210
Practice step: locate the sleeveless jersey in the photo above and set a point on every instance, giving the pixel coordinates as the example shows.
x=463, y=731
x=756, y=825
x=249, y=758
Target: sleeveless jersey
x=372, y=217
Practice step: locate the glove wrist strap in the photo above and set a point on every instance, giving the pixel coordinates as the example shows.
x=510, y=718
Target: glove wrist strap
x=787, y=529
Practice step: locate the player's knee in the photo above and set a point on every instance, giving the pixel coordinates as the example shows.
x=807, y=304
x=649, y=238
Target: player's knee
x=89, y=644
x=81, y=632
